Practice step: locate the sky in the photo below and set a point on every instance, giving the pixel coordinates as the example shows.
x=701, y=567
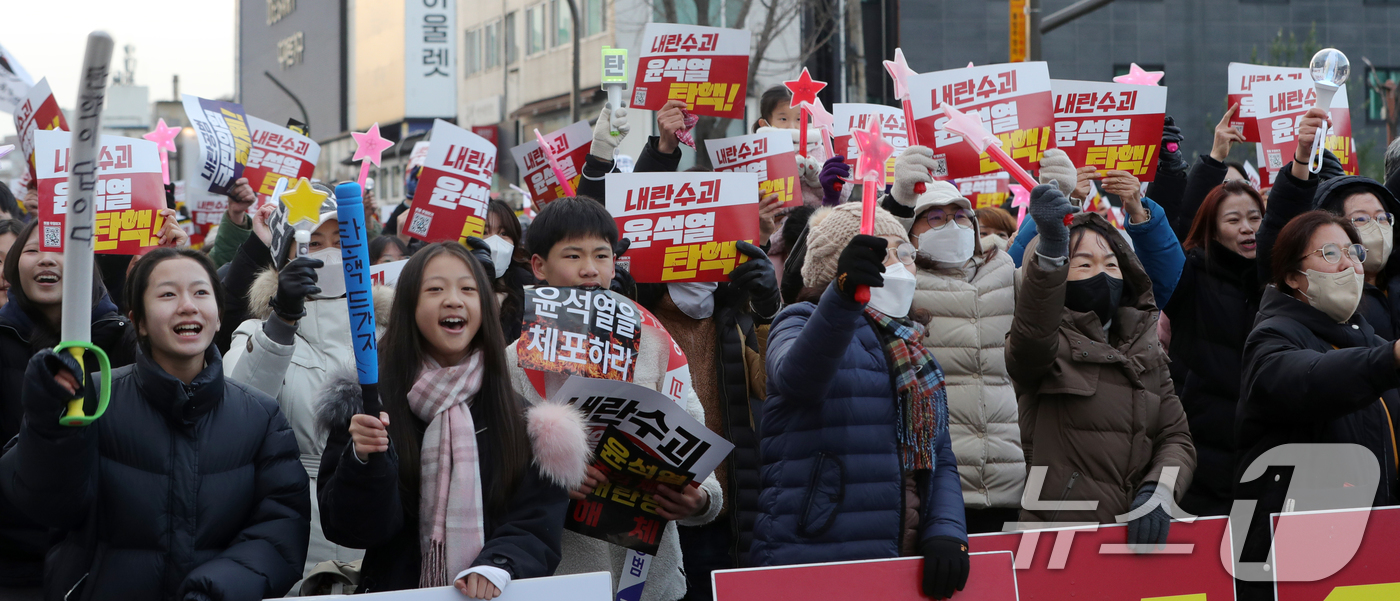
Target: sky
x=191, y=38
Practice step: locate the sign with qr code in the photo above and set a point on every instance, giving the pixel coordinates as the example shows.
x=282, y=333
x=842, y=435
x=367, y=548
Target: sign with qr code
x=707, y=67
x=129, y=192
x=570, y=148
x=38, y=111
x=277, y=153
x=454, y=186
x=1279, y=107
x=769, y=154
x=1110, y=126
x=1013, y=100
x=684, y=226
x=851, y=116
x=224, y=141
x=1240, y=90
x=622, y=509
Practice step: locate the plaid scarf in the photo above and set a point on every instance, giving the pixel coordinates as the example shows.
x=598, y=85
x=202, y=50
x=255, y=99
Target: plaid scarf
x=450, y=522
x=922, y=406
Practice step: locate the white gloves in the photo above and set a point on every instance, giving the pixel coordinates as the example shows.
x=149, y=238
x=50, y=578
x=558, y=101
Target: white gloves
x=913, y=167
x=1056, y=168
x=604, y=142
x=808, y=169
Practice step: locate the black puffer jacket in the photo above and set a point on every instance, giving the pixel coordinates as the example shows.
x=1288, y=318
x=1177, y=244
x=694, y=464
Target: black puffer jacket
x=180, y=491
x=1212, y=313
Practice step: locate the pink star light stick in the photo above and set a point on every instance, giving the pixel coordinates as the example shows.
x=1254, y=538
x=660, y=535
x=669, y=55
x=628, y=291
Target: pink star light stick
x=164, y=137
x=822, y=120
x=554, y=165
x=969, y=126
x=369, y=145
x=1020, y=199
x=870, y=168
x=1137, y=77
x=900, y=72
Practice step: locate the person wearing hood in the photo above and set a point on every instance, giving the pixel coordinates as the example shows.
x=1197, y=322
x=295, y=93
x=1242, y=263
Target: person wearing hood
x=1212, y=312
x=969, y=294
x=1099, y=418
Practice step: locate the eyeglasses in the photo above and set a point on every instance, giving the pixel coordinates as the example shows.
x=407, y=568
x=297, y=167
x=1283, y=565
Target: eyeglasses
x=1333, y=253
x=904, y=252
x=1383, y=219
x=937, y=218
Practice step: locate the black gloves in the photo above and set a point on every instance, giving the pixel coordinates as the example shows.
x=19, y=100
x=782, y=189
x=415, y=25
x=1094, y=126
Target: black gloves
x=1049, y=208
x=295, y=282
x=756, y=276
x=945, y=566
x=482, y=251
x=862, y=263
x=44, y=399
x=1149, y=531
x=1170, y=157
x=620, y=248
x=1331, y=167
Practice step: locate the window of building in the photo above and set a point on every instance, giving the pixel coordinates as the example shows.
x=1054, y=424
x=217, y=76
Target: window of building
x=534, y=29
x=595, y=17
x=1124, y=69
x=471, y=52
x=1375, y=102
x=560, y=23
x=491, y=45
x=509, y=35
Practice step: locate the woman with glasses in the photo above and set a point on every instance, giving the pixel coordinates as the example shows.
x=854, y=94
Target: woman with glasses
x=1315, y=372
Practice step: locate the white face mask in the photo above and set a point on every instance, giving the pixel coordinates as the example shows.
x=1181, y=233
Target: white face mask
x=501, y=251
x=1336, y=294
x=330, y=277
x=695, y=299
x=893, y=299
x=1379, y=240
x=948, y=243
x=991, y=241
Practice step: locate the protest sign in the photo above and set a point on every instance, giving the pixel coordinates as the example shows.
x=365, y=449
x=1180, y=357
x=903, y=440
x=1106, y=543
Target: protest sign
x=656, y=422
x=768, y=154
x=707, y=67
x=672, y=219
x=990, y=190
x=1240, y=90
x=224, y=140
x=593, y=586
x=1321, y=538
x=591, y=333
x=206, y=211
x=852, y=116
x=1013, y=100
x=1110, y=126
x=454, y=187
x=277, y=153
x=14, y=82
x=128, y=193
x=387, y=274
x=990, y=578
x=622, y=510
x=1279, y=108
x=570, y=147
x=38, y=111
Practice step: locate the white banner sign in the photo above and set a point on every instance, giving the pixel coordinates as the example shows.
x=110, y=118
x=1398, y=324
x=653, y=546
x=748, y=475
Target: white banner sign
x=430, y=58
x=593, y=586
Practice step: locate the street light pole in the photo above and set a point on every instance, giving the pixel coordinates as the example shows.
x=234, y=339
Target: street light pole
x=573, y=90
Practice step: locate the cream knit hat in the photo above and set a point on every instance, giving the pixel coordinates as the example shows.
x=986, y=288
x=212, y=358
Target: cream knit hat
x=831, y=229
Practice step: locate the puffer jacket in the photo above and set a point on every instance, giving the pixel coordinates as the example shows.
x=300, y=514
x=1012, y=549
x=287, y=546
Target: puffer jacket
x=180, y=491
x=971, y=310
x=1098, y=410
x=292, y=364
x=833, y=485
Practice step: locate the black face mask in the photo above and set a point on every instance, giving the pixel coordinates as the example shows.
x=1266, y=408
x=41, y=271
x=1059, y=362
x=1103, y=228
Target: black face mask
x=1099, y=295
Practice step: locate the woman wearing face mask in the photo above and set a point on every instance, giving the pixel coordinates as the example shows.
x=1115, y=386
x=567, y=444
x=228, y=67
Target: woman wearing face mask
x=1212, y=312
x=857, y=459
x=1099, y=418
x=1315, y=372
x=970, y=294
x=511, y=266
x=188, y=486
x=298, y=334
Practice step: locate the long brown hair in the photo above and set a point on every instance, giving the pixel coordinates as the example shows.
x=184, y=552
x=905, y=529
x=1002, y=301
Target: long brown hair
x=1206, y=225
x=499, y=409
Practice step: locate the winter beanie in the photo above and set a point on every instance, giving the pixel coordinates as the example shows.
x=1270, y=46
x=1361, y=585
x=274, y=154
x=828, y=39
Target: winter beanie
x=831, y=229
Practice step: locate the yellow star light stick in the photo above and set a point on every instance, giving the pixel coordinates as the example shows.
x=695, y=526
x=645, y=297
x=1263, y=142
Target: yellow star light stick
x=303, y=209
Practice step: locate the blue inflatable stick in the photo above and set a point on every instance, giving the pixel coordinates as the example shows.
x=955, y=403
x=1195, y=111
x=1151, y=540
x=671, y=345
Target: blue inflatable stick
x=354, y=253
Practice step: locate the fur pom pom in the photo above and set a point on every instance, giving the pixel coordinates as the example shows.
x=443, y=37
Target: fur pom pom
x=560, y=442
x=339, y=400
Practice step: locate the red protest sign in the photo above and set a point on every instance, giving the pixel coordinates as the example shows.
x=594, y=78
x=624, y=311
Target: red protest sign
x=206, y=211
x=1110, y=125
x=1240, y=90
x=277, y=153
x=454, y=188
x=37, y=112
x=683, y=226
x=1013, y=100
x=990, y=578
x=570, y=147
x=1279, y=107
x=707, y=67
x=769, y=154
x=990, y=190
x=850, y=116
x=1369, y=568
x=129, y=193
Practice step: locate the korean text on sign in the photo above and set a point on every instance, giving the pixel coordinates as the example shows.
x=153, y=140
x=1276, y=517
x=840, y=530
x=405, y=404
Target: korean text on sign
x=622, y=510
x=128, y=192
x=707, y=67
x=1013, y=101
x=591, y=333
x=454, y=187
x=1110, y=126
x=768, y=154
x=224, y=140
x=683, y=226
x=852, y=116
x=570, y=148
x=1279, y=108
x=277, y=153
x=38, y=111
x=1240, y=90
x=989, y=190
x=429, y=58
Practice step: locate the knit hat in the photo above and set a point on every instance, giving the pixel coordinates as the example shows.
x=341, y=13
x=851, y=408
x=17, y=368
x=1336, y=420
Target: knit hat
x=831, y=229
x=940, y=193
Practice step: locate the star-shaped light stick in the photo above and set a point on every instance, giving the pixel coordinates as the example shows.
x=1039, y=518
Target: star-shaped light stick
x=1137, y=77
x=303, y=211
x=369, y=145
x=164, y=137
x=870, y=168
x=1020, y=199
x=554, y=165
x=969, y=126
x=900, y=73
x=822, y=120
x=804, y=90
